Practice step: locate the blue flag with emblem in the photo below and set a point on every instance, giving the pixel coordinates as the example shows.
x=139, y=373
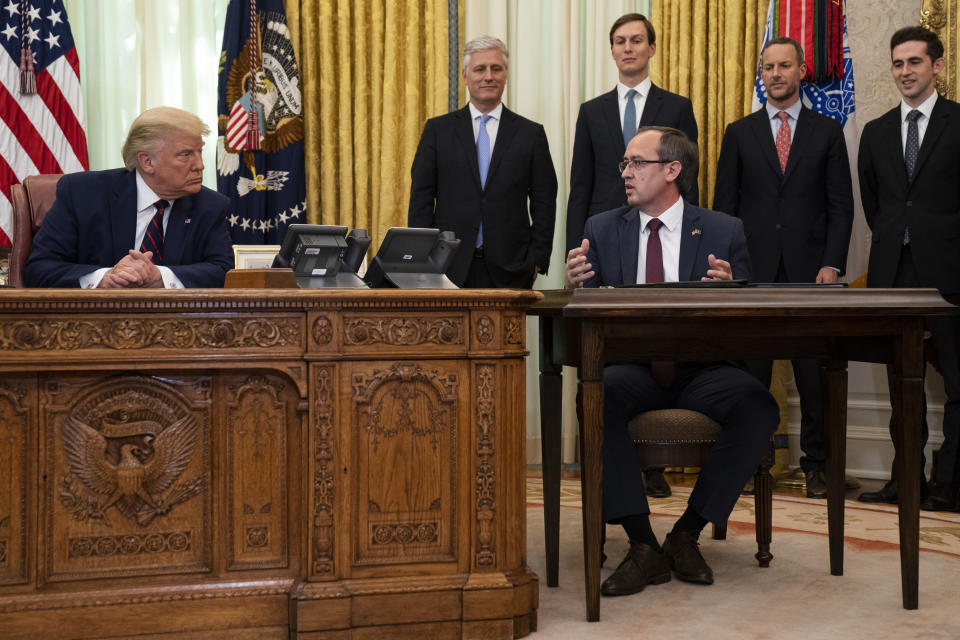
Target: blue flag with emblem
x=260, y=123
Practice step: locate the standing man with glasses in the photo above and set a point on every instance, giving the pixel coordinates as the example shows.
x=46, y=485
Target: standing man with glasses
x=784, y=171
x=474, y=173
x=660, y=237
x=605, y=125
x=909, y=166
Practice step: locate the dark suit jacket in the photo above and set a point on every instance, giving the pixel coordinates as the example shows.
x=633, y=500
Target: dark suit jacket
x=930, y=203
x=802, y=215
x=445, y=193
x=615, y=244
x=93, y=222
x=595, y=182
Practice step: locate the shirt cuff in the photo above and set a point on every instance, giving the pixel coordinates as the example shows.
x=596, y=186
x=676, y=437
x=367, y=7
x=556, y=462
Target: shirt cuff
x=170, y=281
x=92, y=280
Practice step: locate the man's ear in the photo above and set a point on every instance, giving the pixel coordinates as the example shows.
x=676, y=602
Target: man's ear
x=145, y=162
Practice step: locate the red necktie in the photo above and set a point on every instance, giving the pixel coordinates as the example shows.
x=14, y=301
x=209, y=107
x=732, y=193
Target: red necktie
x=663, y=371
x=153, y=238
x=783, y=140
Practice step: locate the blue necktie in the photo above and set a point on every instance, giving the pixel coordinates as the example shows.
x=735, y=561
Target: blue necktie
x=910, y=155
x=483, y=161
x=629, y=119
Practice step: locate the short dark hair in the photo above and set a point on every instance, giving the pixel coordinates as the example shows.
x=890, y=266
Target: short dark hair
x=635, y=17
x=919, y=34
x=675, y=146
x=785, y=40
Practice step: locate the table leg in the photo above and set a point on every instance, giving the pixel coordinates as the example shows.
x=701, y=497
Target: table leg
x=551, y=425
x=834, y=398
x=909, y=369
x=591, y=439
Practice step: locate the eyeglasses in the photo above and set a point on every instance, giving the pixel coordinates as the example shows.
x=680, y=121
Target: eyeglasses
x=637, y=163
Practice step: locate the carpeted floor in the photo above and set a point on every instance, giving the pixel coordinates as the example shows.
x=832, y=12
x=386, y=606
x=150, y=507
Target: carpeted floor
x=795, y=598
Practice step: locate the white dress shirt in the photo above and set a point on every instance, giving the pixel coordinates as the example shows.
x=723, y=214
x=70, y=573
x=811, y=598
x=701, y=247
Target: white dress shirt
x=493, y=124
x=639, y=100
x=146, y=209
x=925, y=109
x=670, y=236
x=793, y=112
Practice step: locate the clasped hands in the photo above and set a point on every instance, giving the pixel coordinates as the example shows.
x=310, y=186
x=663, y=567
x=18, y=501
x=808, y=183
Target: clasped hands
x=579, y=270
x=134, y=271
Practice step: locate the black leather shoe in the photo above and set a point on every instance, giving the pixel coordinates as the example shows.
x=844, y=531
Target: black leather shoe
x=683, y=553
x=816, y=482
x=940, y=498
x=889, y=492
x=643, y=565
x=655, y=484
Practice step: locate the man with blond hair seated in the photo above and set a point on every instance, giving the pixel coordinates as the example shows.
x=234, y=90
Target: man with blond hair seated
x=151, y=224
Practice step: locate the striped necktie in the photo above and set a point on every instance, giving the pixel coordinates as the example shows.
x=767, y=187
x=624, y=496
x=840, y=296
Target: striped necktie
x=153, y=238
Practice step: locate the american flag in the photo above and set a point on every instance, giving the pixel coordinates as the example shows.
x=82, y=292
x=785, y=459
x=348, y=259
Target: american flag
x=40, y=132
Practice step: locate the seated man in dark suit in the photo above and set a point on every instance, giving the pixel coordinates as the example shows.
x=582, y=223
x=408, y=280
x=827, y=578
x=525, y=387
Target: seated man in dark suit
x=660, y=237
x=151, y=224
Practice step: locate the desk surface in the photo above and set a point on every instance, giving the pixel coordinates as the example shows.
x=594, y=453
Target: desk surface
x=587, y=328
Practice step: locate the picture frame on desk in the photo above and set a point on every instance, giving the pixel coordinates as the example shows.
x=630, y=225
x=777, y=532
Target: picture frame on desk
x=254, y=256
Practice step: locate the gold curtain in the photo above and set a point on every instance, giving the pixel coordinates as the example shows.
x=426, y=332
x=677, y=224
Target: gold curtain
x=372, y=71
x=720, y=84
x=942, y=17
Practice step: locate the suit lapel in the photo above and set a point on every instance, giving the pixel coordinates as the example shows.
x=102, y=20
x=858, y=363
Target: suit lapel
x=463, y=131
x=690, y=236
x=651, y=106
x=806, y=125
x=177, y=226
x=505, y=133
x=628, y=233
x=611, y=117
x=939, y=118
x=892, y=136
x=760, y=125
x=123, y=215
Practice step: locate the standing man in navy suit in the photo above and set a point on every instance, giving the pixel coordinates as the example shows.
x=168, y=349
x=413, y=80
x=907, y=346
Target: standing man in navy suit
x=151, y=224
x=604, y=127
x=659, y=237
x=485, y=173
x=784, y=171
x=909, y=166
x=606, y=123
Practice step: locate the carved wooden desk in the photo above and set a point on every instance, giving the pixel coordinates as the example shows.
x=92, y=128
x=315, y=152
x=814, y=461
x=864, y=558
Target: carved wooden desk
x=589, y=327
x=323, y=464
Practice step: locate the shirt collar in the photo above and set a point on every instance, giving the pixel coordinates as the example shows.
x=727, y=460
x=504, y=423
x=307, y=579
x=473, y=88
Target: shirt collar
x=145, y=196
x=793, y=110
x=926, y=108
x=495, y=113
x=643, y=88
x=671, y=218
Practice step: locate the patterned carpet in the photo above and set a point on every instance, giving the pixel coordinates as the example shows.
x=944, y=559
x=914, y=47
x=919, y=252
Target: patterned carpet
x=869, y=527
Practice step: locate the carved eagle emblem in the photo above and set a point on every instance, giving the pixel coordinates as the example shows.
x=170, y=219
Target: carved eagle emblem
x=135, y=480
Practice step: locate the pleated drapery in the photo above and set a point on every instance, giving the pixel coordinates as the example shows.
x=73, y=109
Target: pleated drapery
x=373, y=72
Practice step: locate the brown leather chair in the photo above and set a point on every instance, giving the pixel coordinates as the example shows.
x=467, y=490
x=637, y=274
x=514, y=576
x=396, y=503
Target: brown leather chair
x=683, y=438
x=31, y=201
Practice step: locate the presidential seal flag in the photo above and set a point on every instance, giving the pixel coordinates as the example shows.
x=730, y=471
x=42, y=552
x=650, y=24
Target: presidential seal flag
x=260, y=123
x=41, y=108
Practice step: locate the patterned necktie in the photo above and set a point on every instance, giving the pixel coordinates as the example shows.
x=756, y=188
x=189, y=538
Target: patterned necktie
x=664, y=371
x=153, y=238
x=910, y=154
x=913, y=143
x=783, y=140
x=629, y=118
x=483, y=161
